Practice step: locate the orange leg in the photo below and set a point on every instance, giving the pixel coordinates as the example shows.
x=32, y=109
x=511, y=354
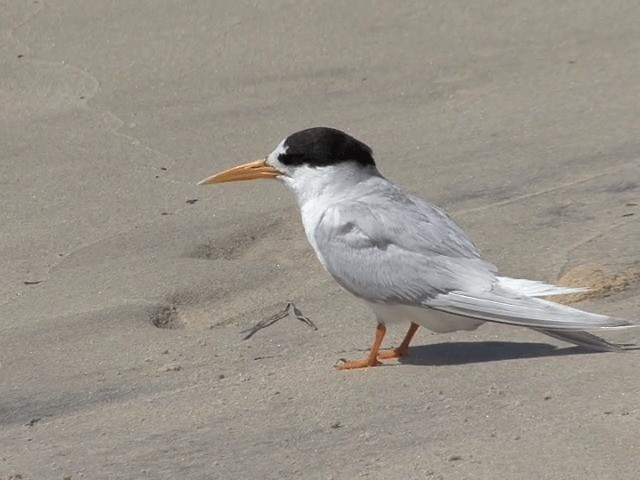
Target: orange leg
x=400, y=351
x=372, y=359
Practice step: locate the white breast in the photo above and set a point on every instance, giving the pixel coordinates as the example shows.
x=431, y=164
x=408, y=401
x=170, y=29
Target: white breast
x=312, y=212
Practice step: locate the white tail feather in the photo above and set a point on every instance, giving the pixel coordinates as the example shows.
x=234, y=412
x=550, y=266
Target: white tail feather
x=533, y=288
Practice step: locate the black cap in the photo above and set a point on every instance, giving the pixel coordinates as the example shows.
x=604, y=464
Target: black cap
x=322, y=146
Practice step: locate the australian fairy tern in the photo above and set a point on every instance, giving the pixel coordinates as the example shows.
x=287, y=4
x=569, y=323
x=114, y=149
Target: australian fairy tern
x=406, y=258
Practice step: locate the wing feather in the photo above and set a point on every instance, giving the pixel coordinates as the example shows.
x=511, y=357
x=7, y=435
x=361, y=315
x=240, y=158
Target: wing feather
x=391, y=254
x=391, y=248
x=500, y=307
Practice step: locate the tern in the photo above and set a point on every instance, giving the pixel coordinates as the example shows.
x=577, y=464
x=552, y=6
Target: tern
x=405, y=257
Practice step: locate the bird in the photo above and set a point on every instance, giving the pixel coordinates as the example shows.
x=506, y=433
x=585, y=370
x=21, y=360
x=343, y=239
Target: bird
x=406, y=258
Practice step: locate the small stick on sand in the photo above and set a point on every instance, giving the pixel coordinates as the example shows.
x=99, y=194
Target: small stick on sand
x=267, y=322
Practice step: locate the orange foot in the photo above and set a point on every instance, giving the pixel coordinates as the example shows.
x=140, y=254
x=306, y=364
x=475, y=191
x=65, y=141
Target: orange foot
x=376, y=353
x=362, y=363
x=392, y=353
x=372, y=358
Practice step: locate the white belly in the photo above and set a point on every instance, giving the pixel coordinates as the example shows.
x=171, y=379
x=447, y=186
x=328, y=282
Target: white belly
x=439, y=322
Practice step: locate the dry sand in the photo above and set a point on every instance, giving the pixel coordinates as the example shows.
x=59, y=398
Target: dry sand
x=520, y=118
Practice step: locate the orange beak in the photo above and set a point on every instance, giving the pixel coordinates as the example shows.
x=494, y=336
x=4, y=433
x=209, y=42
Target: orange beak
x=246, y=171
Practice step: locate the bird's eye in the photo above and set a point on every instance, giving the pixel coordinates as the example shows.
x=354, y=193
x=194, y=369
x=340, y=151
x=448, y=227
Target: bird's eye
x=291, y=158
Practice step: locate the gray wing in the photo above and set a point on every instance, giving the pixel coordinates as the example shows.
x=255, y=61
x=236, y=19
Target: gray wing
x=394, y=248
x=411, y=222
x=398, y=249
x=505, y=306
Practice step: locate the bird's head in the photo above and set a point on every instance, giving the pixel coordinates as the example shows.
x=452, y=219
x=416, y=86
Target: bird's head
x=305, y=157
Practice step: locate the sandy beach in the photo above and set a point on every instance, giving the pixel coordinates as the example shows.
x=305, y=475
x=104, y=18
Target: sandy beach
x=125, y=286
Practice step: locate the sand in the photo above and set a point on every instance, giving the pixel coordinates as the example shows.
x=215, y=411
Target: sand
x=125, y=286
